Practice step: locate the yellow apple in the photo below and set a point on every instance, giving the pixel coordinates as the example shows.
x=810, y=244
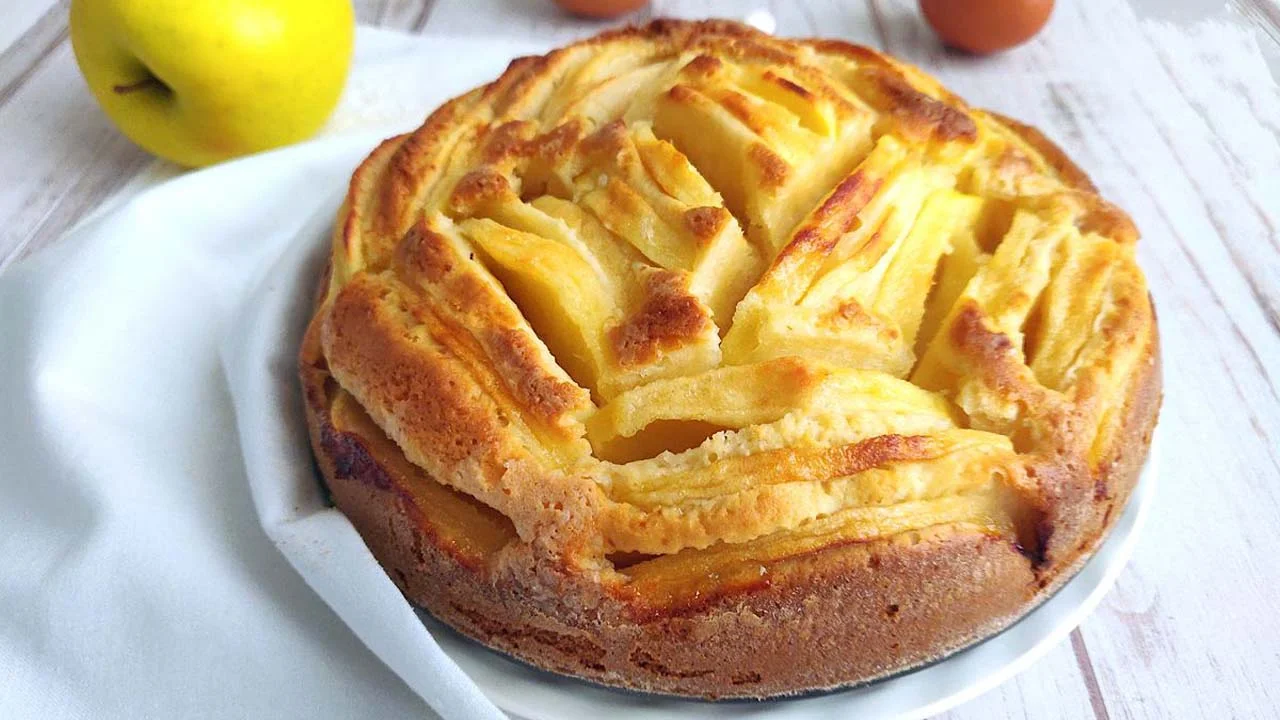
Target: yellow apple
x=199, y=81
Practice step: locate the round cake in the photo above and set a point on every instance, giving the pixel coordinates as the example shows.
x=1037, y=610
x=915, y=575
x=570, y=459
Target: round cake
x=696, y=361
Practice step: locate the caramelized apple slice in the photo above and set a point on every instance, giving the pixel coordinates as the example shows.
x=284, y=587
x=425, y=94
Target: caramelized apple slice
x=647, y=193
x=557, y=291
x=737, y=498
x=819, y=297
x=473, y=531
x=866, y=403
x=771, y=145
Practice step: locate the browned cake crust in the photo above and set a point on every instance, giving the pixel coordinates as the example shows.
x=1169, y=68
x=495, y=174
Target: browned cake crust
x=521, y=564
x=843, y=615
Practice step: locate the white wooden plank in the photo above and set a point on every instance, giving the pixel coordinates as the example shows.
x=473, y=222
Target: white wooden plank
x=1163, y=644
x=1164, y=137
x=1242, y=123
x=1222, y=218
x=61, y=157
x=19, y=17
x=28, y=46
x=407, y=15
x=1053, y=687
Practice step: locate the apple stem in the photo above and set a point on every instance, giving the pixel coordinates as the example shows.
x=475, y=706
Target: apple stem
x=150, y=81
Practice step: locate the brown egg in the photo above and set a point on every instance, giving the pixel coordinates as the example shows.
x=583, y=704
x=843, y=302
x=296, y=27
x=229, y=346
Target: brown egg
x=601, y=8
x=986, y=26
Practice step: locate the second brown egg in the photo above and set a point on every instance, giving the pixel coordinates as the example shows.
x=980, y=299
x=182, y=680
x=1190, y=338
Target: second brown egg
x=986, y=26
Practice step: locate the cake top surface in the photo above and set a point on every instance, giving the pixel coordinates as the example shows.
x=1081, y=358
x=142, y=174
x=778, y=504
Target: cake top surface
x=688, y=290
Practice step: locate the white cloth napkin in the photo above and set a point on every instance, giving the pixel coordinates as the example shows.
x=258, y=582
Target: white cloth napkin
x=135, y=580
x=259, y=352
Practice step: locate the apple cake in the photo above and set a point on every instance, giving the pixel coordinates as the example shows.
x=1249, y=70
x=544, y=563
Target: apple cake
x=696, y=361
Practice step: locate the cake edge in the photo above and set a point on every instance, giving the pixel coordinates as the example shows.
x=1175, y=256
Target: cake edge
x=855, y=614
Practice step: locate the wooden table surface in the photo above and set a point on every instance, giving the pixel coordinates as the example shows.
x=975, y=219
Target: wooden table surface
x=1192, y=628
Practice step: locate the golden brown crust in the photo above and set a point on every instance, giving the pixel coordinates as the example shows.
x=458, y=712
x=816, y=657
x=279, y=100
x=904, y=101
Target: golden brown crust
x=1063, y=165
x=844, y=615
x=1085, y=511
x=666, y=318
x=897, y=349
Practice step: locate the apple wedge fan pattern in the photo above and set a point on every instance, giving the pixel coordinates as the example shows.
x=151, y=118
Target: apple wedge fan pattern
x=696, y=361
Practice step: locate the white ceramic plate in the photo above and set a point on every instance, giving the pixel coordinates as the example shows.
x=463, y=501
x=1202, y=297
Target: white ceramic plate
x=321, y=544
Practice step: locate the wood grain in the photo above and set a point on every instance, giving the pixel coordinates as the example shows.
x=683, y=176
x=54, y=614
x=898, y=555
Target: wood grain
x=1097, y=703
x=61, y=156
x=1172, y=129
x=407, y=15
x=1173, y=134
x=29, y=51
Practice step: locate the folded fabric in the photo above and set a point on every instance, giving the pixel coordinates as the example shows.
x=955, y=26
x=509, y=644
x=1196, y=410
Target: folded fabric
x=135, y=580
